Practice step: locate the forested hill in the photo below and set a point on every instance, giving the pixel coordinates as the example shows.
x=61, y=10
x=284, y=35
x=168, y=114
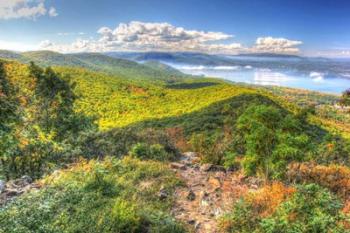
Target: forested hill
x=87, y=151
x=97, y=62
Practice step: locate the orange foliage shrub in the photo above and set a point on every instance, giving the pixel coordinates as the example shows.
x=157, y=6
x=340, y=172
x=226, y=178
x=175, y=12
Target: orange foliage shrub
x=177, y=137
x=265, y=200
x=334, y=177
x=346, y=211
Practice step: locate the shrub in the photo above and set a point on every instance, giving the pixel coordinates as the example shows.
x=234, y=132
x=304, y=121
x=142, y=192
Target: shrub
x=145, y=151
x=211, y=147
x=334, y=177
x=309, y=208
x=271, y=140
x=334, y=149
x=120, y=142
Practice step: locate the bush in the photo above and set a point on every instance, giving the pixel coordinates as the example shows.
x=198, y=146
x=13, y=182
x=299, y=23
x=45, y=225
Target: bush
x=271, y=140
x=334, y=177
x=123, y=141
x=155, y=152
x=334, y=149
x=104, y=197
x=308, y=209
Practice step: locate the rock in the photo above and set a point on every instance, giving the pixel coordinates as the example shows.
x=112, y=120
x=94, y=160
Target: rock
x=191, y=196
x=191, y=221
x=214, y=183
x=189, y=158
x=13, y=192
x=197, y=226
x=21, y=182
x=2, y=186
x=27, y=179
x=190, y=154
x=217, y=168
x=178, y=166
x=206, y=167
x=233, y=168
x=163, y=194
x=204, y=194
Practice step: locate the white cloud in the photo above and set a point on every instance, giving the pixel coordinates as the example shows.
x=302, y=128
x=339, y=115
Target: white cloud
x=276, y=45
x=46, y=44
x=53, y=12
x=163, y=37
x=29, y=9
x=141, y=36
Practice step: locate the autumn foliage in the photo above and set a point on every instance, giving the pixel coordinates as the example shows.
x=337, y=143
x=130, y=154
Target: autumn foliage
x=334, y=177
x=267, y=199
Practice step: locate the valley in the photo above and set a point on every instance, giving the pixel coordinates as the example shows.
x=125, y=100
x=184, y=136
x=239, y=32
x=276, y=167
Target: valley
x=122, y=146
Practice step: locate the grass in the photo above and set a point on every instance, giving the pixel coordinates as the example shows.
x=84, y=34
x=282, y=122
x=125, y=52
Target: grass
x=97, y=196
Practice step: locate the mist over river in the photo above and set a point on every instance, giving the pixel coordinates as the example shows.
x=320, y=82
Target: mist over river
x=315, y=81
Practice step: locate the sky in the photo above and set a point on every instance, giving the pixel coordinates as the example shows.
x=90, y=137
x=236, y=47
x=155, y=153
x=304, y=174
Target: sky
x=304, y=27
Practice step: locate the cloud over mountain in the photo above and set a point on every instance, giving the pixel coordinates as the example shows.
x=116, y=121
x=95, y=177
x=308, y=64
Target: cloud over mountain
x=276, y=45
x=30, y=9
x=142, y=36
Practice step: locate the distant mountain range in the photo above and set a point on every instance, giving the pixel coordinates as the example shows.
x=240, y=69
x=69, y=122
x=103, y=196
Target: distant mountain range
x=158, y=65
x=278, y=62
x=98, y=62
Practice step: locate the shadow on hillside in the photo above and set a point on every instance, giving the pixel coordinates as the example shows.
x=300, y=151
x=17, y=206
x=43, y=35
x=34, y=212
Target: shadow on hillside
x=195, y=85
x=212, y=118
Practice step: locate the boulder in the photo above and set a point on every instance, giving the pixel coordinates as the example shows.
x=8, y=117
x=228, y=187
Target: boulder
x=178, y=166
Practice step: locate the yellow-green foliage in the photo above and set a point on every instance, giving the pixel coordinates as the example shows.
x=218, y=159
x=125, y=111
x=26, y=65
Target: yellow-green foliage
x=118, y=102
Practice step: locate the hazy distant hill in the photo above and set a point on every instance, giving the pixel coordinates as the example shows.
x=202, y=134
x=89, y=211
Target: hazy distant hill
x=97, y=62
x=175, y=57
x=276, y=55
x=279, y=62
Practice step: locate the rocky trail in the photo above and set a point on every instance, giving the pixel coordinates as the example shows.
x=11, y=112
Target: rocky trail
x=209, y=192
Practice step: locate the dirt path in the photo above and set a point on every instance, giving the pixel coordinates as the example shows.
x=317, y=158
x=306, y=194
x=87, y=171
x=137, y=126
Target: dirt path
x=210, y=191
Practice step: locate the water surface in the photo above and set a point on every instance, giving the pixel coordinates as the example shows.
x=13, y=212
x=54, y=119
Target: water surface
x=312, y=81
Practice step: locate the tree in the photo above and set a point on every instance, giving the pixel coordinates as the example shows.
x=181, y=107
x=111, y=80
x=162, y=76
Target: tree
x=55, y=99
x=345, y=98
x=48, y=131
x=8, y=118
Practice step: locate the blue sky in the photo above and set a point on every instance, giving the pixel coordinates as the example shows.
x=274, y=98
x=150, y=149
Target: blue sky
x=310, y=27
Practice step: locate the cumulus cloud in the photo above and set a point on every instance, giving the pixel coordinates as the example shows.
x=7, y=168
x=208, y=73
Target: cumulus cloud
x=141, y=36
x=163, y=37
x=276, y=45
x=29, y=9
